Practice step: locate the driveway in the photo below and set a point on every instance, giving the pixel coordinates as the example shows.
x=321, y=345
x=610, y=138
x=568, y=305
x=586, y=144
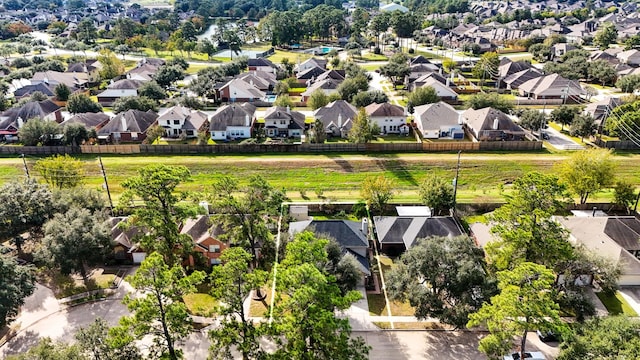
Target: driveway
x=561, y=141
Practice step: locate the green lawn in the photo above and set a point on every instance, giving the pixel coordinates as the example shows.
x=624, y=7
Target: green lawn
x=377, y=305
x=200, y=304
x=616, y=304
x=293, y=56
x=374, y=57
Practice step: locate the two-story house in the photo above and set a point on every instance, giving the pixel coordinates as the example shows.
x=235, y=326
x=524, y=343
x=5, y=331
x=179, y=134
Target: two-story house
x=282, y=122
x=182, y=121
x=233, y=121
x=391, y=119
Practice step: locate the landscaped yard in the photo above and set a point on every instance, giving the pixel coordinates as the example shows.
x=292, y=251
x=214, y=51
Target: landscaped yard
x=64, y=285
x=200, y=304
x=260, y=308
x=616, y=304
x=377, y=304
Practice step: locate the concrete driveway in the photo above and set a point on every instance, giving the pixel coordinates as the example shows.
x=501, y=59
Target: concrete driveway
x=561, y=141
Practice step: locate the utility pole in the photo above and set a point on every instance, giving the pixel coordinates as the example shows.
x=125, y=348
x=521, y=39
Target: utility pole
x=106, y=184
x=26, y=169
x=455, y=183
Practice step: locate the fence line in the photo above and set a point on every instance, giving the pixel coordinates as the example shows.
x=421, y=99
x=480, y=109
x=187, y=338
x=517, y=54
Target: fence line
x=616, y=144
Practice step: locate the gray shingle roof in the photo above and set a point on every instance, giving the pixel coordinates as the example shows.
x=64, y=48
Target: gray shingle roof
x=406, y=230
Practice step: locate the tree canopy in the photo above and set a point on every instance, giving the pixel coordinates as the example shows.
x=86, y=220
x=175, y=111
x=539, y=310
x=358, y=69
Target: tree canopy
x=437, y=193
x=586, y=172
x=376, y=191
x=16, y=283
x=60, y=171
x=611, y=337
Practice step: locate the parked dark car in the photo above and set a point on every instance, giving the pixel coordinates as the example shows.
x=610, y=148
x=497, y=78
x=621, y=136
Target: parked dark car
x=547, y=336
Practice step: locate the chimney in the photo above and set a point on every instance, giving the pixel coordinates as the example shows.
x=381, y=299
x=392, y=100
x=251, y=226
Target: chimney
x=123, y=122
x=496, y=123
x=448, y=82
x=460, y=119
x=440, y=71
x=340, y=121
x=288, y=109
x=20, y=122
x=365, y=226
x=246, y=120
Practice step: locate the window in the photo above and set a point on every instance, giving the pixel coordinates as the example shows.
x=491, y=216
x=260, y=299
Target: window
x=215, y=262
x=283, y=122
x=176, y=122
x=214, y=248
x=134, y=135
x=168, y=122
x=190, y=132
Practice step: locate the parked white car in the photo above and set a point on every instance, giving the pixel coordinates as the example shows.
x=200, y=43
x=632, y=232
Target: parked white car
x=533, y=355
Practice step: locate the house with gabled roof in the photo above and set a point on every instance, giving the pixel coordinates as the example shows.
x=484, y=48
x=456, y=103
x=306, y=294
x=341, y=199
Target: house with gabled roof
x=119, y=89
x=206, y=239
x=308, y=76
x=88, y=70
x=237, y=90
x=513, y=81
x=182, y=121
x=438, y=120
x=56, y=77
x=337, y=117
x=327, y=86
x=390, y=118
x=125, y=246
x=128, y=126
x=444, y=92
x=551, y=86
x=262, y=64
x=262, y=84
x=489, y=124
x=233, y=121
x=397, y=234
x=310, y=64
x=350, y=235
x=89, y=120
x=144, y=72
x=283, y=122
x=629, y=57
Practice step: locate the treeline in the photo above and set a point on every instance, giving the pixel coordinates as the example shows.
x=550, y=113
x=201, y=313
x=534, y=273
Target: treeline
x=247, y=8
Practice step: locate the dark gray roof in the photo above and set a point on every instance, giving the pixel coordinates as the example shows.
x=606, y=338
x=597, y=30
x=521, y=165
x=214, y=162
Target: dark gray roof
x=296, y=118
x=314, y=72
x=46, y=89
x=406, y=230
x=346, y=233
x=32, y=109
x=232, y=115
x=90, y=120
x=126, y=84
x=625, y=231
x=130, y=121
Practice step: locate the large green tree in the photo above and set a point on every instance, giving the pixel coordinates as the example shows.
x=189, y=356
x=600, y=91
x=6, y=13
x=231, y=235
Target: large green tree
x=16, y=283
x=421, y=96
x=376, y=191
x=487, y=67
x=532, y=119
x=37, y=131
x=611, y=337
x=437, y=193
x=159, y=310
x=75, y=240
x=305, y=325
x=60, y=171
x=46, y=349
x=586, y=172
x=442, y=277
x=163, y=212
x=81, y=103
x=483, y=100
x=564, y=114
x=525, y=303
x=100, y=344
x=606, y=35
x=231, y=284
x=362, y=131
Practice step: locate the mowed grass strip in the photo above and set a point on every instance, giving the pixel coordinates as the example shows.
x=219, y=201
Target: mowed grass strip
x=338, y=175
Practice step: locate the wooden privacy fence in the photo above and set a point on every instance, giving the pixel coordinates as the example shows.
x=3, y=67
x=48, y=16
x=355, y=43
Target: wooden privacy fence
x=273, y=148
x=616, y=144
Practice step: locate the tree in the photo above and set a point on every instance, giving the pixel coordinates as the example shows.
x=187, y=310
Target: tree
x=624, y=194
x=160, y=312
x=526, y=232
x=152, y=90
x=141, y=103
x=16, y=283
x=168, y=74
x=86, y=31
x=540, y=52
x=284, y=101
x=442, y=277
x=586, y=172
x=62, y=92
x=525, y=303
x=75, y=240
x=245, y=211
x=486, y=67
x=81, y=103
x=582, y=125
x=231, y=282
x=163, y=213
x=606, y=35
x=75, y=134
x=317, y=134
x=318, y=99
x=376, y=191
x=396, y=69
x=629, y=83
x=602, y=71
x=304, y=322
x=610, y=337
x=380, y=24
x=352, y=86
x=365, y=98
x=437, y=193
x=38, y=132
x=421, y=96
x=564, y=114
x=96, y=340
x=46, y=349
x=111, y=65
x=205, y=46
x=60, y=171
x=448, y=64
x=483, y=100
x=532, y=119
x=24, y=207
x=361, y=130
x=155, y=133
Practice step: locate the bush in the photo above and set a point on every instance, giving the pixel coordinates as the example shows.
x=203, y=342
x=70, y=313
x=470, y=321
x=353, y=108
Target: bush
x=377, y=51
x=411, y=51
x=21, y=62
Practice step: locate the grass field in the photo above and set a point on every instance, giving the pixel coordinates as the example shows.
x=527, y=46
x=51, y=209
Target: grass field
x=200, y=304
x=338, y=175
x=616, y=304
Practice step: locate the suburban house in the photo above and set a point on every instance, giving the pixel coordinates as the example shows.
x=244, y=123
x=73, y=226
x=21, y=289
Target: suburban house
x=552, y=86
x=89, y=120
x=513, y=81
x=443, y=91
x=262, y=64
x=615, y=238
x=350, y=235
x=88, y=71
x=125, y=248
x=398, y=233
x=119, y=89
x=232, y=121
x=490, y=124
x=336, y=117
x=420, y=69
x=629, y=57
x=390, y=118
x=307, y=77
x=205, y=239
x=600, y=110
x=391, y=7
x=142, y=72
x=310, y=64
x=237, y=90
x=182, y=121
x=282, y=122
x=128, y=126
x=28, y=90
x=12, y=119
x=327, y=86
x=424, y=79
x=261, y=80
x=438, y=120
x=56, y=77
